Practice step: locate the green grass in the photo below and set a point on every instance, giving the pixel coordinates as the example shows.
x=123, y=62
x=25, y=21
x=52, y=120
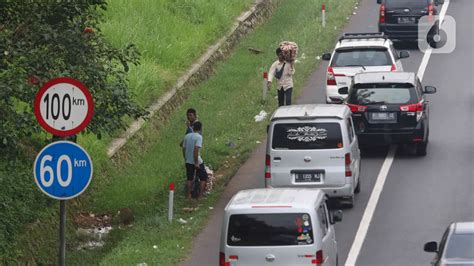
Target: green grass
x=226, y=105
x=170, y=34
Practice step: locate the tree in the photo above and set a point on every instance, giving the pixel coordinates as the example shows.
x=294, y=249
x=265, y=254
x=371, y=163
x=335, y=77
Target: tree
x=42, y=40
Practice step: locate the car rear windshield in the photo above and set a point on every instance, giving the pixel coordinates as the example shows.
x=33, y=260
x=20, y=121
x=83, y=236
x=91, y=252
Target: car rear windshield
x=367, y=94
x=274, y=229
x=364, y=57
x=460, y=246
x=391, y=4
x=307, y=136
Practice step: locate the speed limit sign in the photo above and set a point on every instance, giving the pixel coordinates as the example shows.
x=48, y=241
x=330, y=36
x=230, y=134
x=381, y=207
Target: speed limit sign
x=63, y=106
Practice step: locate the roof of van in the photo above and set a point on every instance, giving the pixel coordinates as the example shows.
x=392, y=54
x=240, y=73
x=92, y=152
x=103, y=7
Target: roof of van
x=307, y=111
x=385, y=77
x=274, y=198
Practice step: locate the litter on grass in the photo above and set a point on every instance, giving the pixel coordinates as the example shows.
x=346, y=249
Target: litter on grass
x=261, y=116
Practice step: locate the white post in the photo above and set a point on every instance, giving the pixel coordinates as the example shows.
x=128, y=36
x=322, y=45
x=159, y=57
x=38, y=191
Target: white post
x=264, y=86
x=171, y=202
x=323, y=15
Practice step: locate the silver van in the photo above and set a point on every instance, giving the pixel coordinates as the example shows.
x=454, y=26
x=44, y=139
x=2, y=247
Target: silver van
x=314, y=145
x=279, y=227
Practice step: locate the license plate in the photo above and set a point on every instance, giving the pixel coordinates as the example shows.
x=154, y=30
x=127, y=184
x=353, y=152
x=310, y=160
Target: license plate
x=383, y=116
x=309, y=177
x=406, y=20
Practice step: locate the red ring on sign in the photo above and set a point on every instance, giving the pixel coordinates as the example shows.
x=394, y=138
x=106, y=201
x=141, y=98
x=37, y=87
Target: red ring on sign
x=90, y=106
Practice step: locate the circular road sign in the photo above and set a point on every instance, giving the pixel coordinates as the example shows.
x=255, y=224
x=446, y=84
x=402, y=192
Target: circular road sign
x=63, y=170
x=63, y=106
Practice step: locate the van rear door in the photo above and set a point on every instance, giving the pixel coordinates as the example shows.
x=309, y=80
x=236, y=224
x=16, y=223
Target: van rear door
x=277, y=239
x=307, y=154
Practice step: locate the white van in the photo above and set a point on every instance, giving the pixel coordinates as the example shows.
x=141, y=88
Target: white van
x=278, y=227
x=314, y=145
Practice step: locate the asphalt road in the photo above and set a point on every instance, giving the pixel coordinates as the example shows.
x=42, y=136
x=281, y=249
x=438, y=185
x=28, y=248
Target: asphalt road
x=421, y=195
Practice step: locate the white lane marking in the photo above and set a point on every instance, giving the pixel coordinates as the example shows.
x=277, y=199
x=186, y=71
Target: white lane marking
x=376, y=192
x=370, y=209
x=426, y=57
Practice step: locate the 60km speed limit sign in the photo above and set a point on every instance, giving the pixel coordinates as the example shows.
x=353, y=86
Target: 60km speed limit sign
x=63, y=106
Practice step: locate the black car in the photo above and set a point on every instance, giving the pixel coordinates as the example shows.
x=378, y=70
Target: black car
x=389, y=108
x=398, y=19
x=456, y=247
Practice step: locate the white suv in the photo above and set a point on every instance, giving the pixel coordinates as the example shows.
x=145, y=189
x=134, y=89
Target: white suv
x=357, y=53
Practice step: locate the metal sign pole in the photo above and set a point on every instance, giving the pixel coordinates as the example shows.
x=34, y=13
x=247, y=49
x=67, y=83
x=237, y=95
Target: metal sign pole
x=62, y=233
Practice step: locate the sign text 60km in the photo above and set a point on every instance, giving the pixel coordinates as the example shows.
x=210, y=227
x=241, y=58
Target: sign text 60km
x=63, y=170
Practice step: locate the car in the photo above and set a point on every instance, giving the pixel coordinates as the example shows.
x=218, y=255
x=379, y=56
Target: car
x=356, y=53
x=399, y=19
x=456, y=247
x=390, y=108
x=279, y=227
x=314, y=146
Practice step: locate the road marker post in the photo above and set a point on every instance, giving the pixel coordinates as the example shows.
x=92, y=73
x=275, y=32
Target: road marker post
x=323, y=15
x=63, y=169
x=264, y=86
x=171, y=202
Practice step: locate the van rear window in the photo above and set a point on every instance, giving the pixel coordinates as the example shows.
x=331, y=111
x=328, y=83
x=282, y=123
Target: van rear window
x=270, y=229
x=307, y=136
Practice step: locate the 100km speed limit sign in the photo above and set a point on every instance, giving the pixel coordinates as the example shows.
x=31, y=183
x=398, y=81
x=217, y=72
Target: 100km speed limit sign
x=63, y=106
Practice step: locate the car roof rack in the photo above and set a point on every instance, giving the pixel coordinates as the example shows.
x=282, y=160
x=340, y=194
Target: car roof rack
x=361, y=35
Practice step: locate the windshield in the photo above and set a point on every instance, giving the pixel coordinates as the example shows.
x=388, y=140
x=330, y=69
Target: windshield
x=390, y=4
x=367, y=94
x=271, y=229
x=307, y=136
x=460, y=247
x=364, y=57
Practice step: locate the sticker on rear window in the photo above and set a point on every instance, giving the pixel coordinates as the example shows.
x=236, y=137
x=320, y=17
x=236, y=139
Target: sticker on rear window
x=307, y=134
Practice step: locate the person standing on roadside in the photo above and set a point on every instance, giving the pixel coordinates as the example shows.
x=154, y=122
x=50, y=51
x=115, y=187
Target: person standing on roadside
x=191, y=117
x=283, y=71
x=192, y=145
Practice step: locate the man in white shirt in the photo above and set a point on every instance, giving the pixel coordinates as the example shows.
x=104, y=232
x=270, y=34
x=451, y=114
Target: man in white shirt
x=192, y=145
x=283, y=71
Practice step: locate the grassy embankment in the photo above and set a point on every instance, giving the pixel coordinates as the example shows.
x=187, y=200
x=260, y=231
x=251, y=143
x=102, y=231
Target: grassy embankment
x=170, y=35
x=226, y=105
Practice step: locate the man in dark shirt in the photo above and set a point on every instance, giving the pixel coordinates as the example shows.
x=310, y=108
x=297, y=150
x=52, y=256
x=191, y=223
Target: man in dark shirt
x=192, y=117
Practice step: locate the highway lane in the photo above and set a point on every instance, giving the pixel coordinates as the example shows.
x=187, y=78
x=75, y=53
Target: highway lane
x=423, y=195
x=205, y=251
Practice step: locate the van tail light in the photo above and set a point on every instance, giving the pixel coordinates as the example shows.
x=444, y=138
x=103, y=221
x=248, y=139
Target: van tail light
x=319, y=258
x=268, y=174
x=222, y=261
x=393, y=68
x=430, y=10
x=357, y=108
x=348, y=164
x=382, y=14
x=331, y=78
x=417, y=107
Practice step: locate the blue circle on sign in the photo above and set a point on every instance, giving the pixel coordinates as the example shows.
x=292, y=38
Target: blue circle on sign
x=63, y=170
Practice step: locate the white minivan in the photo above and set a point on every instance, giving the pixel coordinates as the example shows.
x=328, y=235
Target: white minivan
x=314, y=145
x=279, y=227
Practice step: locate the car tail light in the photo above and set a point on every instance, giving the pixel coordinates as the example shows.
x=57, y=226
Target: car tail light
x=348, y=164
x=222, y=261
x=430, y=10
x=357, y=108
x=417, y=107
x=331, y=79
x=393, y=68
x=319, y=258
x=268, y=174
x=382, y=14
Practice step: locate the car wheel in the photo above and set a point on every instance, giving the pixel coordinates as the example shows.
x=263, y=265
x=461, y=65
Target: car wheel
x=357, y=189
x=350, y=201
x=421, y=148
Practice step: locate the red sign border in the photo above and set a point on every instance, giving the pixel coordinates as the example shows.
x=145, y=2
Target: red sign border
x=77, y=129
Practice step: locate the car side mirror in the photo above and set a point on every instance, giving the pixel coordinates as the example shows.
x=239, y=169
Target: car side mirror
x=431, y=246
x=379, y=1
x=439, y=2
x=326, y=57
x=336, y=216
x=343, y=90
x=430, y=90
x=403, y=54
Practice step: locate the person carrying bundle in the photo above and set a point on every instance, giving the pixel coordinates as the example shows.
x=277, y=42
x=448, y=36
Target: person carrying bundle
x=283, y=70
